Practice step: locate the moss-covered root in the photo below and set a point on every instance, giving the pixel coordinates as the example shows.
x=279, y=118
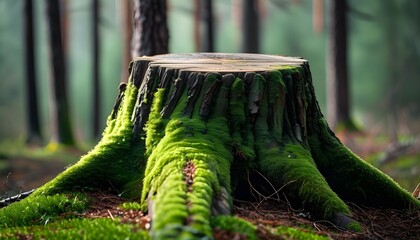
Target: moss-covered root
x=187, y=174
x=114, y=162
x=352, y=178
x=286, y=161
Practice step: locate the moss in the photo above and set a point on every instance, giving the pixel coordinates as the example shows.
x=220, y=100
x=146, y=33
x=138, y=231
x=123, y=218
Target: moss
x=368, y=185
x=113, y=159
x=240, y=132
x=236, y=225
x=290, y=163
x=294, y=167
x=354, y=226
x=155, y=126
x=297, y=234
x=206, y=144
x=130, y=206
x=41, y=209
x=77, y=229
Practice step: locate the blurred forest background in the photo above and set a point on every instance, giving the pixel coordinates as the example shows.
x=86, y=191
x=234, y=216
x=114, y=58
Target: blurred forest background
x=383, y=64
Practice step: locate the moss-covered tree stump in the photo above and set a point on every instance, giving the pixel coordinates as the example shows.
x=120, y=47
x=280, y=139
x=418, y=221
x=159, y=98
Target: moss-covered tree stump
x=191, y=131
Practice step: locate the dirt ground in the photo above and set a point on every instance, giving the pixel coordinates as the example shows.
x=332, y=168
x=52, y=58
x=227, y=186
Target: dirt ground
x=377, y=224
x=24, y=174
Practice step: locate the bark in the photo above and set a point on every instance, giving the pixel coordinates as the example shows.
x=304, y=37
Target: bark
x=126, y=9
x=96, y=92
x=60, y=110
x=189, y=132
x=150, y=36
x=32, y=118
x=338, y=98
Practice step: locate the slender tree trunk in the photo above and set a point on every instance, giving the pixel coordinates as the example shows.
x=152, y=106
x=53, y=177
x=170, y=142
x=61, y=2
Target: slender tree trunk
x=32, y=118
x=150, y=36
x=338, y=99
x=318, y=16
x=64, y=16
x=96, y=87
x=197, y=25
x=206, y=16
x=126, y=10
x=60, y=111
x=250, y=26
x=203, y=26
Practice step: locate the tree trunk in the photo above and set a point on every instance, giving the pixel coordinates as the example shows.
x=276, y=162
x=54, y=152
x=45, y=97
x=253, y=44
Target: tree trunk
x=250, y=26
x=96, y=88
x=126, y=15
x=60, y=110
x=33, y=125
x=318, y=16
x=189, y=131
x=338, y=99
x=150, y=34
x=203, y=26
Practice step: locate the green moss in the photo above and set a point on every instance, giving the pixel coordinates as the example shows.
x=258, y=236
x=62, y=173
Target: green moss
x=297, y=234
x=114, y=158
x=155, y=126
x=276, y=104
x=130, y=206
x=354, y=226
x=77, y=229
x=242, y=137
x=368, y=185
x=206, y=144
x=286, y=162
x=236, y=225
x=294, y=167
x=41, y=209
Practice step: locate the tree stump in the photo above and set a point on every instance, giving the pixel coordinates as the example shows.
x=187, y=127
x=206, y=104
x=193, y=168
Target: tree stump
x=191, y=131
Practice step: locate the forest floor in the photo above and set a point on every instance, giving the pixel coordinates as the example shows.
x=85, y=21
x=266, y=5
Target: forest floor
x=22, y=169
